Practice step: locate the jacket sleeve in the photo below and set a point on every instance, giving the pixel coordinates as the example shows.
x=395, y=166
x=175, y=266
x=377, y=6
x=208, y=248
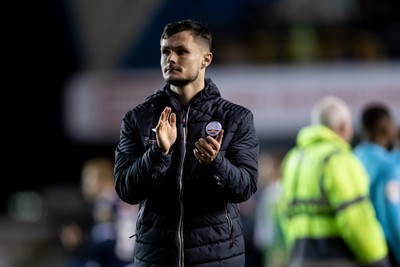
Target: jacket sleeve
x=138, y=168
x=236, y=170
x=348, y=192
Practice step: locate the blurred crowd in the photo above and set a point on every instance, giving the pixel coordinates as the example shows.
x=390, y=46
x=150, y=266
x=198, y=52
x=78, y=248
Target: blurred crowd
x=99, y=237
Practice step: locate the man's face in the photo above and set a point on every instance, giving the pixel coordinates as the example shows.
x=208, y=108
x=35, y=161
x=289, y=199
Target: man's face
x=182, y=58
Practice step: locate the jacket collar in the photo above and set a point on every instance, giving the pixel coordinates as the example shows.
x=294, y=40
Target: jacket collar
x=210, y=91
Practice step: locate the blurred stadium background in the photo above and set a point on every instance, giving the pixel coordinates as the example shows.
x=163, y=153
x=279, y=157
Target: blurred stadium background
x=77, y=66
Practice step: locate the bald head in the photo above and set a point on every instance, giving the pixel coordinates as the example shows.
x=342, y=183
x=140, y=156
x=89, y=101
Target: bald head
x=335, y=114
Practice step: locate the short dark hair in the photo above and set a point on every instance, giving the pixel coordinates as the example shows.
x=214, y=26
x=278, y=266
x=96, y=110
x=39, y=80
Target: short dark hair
x=372, y=116
x=198, y=30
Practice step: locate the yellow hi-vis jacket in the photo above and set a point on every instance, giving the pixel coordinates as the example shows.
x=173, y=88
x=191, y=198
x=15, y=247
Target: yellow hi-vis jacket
x=325, y=209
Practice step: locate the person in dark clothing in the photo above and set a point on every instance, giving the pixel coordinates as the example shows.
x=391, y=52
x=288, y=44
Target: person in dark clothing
x=187, y=157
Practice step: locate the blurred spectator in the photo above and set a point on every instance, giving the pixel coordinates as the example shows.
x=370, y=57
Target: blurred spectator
x=102, y=240
x=395, y=151
x=267, y=235
x=377, y=152
x=327, y=217
x=257, y=221
x=247, y=212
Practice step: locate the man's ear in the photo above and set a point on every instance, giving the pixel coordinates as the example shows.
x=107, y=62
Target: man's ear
x=384, y=128
x=344, y=131
x=207, y=59
x=341, y=129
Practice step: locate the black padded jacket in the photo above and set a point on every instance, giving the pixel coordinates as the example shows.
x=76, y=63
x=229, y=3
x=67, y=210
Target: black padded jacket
x=188, y=212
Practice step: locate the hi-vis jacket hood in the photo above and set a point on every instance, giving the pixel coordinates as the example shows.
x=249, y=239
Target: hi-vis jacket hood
x=318, y=133
x=327, y=216
x=188, y=211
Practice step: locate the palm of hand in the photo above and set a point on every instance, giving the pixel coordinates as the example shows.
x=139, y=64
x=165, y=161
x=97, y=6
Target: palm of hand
x=166, y=130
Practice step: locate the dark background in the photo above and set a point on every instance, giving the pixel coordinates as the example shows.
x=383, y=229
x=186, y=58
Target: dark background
x=40, y=57
x=41, y=54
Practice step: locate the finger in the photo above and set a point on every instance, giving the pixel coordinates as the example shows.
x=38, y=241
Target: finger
x=165, y=114
x=213, y=144
x=220, y=136
x=162, y=116
x=207, y=148
x=200, y=146
x=198, y=154
x=172, y=119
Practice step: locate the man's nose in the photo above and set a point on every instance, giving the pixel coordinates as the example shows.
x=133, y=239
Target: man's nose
x=171, y=57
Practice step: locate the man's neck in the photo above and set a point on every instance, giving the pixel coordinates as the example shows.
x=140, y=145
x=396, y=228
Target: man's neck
x=382, y=141
x=186, y=93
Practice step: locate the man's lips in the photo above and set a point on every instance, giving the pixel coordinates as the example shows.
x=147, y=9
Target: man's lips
x=172, y=69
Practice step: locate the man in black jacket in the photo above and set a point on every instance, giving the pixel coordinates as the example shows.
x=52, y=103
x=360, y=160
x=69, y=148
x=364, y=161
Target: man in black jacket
x=187, y=157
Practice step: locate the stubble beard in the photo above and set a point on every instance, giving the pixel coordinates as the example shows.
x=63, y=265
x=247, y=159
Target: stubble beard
x=180, y=82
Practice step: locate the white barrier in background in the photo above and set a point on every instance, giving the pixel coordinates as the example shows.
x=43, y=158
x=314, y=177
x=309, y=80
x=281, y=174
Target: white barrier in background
x=279, y=96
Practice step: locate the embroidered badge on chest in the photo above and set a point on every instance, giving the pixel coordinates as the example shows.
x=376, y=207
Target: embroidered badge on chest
x=213, y=128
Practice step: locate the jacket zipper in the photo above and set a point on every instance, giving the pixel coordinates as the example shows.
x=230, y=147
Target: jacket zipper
x=180, y=225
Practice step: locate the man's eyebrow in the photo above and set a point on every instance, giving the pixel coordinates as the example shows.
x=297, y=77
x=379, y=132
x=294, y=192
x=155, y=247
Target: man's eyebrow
x=171, y=46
